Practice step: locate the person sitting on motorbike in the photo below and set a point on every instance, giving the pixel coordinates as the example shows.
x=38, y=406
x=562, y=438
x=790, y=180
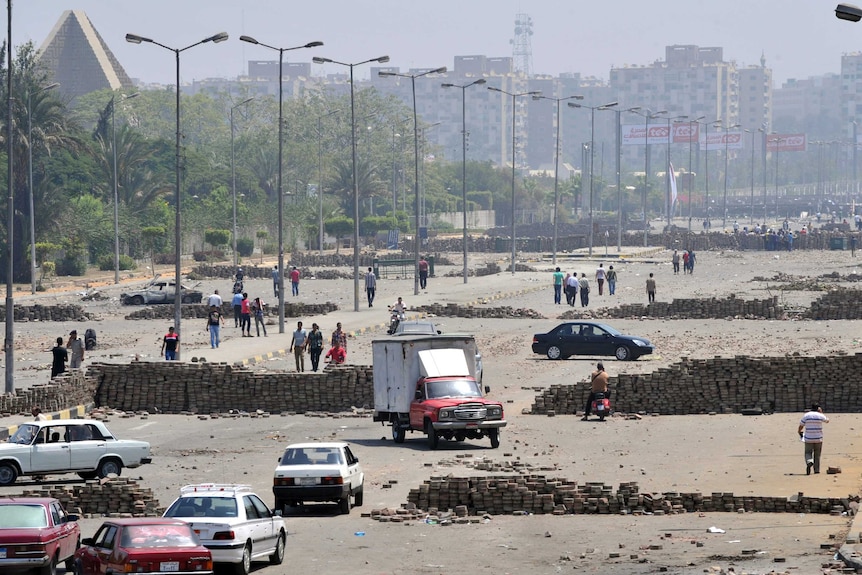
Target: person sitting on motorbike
x=398, y=307
x=599, y=381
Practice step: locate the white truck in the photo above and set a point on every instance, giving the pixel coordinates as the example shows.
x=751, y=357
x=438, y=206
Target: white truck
x=429, y=384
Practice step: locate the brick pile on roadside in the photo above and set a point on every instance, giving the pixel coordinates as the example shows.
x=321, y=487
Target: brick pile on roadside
x=66, y=390
x=200, y=311
x=37, y=312
x=694, y=308
x=117, y=496
x=457, y=310
x=839, y=303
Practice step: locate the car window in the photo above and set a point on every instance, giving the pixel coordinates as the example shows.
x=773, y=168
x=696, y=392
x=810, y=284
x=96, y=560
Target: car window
x=25, y=435
x=597, y=330
x=22, y=516
x=145, y=536
x=250, y=510
x=55, y=515
x=567, y=329
x=587, y=331
x=262, y=509
x=105, y=536
x=80, y=433
x=59, y=513
x=351, y=459
x=451, y=388
x=202, y=507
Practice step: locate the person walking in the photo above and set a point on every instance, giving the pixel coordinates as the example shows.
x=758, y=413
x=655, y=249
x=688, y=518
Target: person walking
x=214, y=300
x=298, y=342
x=37, y=414
x=315, y=346
x=60, y=357
x=558, y=285
x=294, y=281
x=692, y=259
x=245, y=316
x=214, y=322
x=77, y=349
x=370, y=286
x=811, y=433
x=650, y=288
x=566, y=289
x=572, y=288
x=684, y=262
x=170, y=344
x=275, y=281
x=257, y=307
x=423, y=273
x=599, y=383
x=601, y=274
x=338, y=336
x=675, y=260
x=236, y=302
x=612, y=280
x=337, y=355
x=584, y=289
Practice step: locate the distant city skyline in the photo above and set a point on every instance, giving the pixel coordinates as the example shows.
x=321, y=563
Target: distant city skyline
x=798, y=38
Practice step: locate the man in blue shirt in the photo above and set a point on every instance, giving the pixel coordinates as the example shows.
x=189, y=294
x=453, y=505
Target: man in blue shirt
x=236, y=302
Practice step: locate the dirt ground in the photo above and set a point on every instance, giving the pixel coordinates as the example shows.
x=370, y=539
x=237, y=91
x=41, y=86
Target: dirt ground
x=745, y=455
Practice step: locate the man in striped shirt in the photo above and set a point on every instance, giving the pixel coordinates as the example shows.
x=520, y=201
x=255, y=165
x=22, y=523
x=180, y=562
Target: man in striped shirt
x=811, y=432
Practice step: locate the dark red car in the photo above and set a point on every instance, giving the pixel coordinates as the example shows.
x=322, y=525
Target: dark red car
x=36, y=534
x=143, y=545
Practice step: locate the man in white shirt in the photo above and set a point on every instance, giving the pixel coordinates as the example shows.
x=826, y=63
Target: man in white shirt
x=600, y=277
x=214, y=300
x=572, y=289
x=399, y=306
x=811, y=433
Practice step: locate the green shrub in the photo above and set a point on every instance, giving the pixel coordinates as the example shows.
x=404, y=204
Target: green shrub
x=106, y=262
x=245, y=246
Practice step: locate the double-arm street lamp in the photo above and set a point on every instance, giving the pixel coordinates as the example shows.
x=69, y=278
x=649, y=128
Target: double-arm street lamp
x=116, y=185
x=726, y=129
x=557, y=165
x=30, y=182
x=463, y=88
x=233, y=176
x=690, y=177
x=135, y=39
x=592, y=110
x=752, y=132
x=413, y=77
x=281, y=52
x=514, y=97
x=647, y=115
x=669, y=199
x=380, y=60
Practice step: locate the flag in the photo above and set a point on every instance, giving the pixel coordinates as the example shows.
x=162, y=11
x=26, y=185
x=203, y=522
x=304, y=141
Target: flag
x=672, y=177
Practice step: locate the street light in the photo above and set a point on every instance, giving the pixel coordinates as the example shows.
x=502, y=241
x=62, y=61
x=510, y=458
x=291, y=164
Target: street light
x=751, y=220
x=281, y=52
x=116, y=188
x=647, y=115
x=557, y=166
x=233, y=176
x=463, y=88
x=380, y=60
x=413, y=77
x=30, y=184
x=669, y=200
x=690, y=178
x=718, y=124
x=135, y=39
x=848, y=12
x=592, y=110
x=9, y=342
x=514, y=96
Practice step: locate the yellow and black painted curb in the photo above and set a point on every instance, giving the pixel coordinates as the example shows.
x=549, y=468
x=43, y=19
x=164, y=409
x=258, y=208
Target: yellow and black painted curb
x=76, y=412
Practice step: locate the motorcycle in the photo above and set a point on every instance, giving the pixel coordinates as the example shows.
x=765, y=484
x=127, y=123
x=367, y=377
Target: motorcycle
x=601, y=405
x=396, y=318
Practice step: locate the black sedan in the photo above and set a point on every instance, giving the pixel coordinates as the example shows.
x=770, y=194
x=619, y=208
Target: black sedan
x=589, y=338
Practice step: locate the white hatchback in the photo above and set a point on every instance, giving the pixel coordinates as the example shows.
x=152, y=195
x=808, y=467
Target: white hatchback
x=318, y=472
x=233, y=523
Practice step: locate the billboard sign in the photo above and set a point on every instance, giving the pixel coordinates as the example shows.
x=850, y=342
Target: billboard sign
x=683, y=133
x=785, y=142
x=721, y=140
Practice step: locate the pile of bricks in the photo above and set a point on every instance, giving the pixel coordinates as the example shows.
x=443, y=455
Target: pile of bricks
x=708, y=308
x=173, y=387
x=455, y=310
x=538, y=494
x=116, y=496
x=836, y=304
x=723, y=385
x=36, y=312
x=66, y=390
x=200, y=311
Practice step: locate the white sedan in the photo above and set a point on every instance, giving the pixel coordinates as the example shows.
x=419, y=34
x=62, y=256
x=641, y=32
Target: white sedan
x=233, y=523
x=82, y=446
x=318, y=472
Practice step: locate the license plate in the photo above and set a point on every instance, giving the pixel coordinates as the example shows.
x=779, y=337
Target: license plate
x=600, y=407
x=2, y=553
x=308, y=480
x=168, y=566
x=472, y=425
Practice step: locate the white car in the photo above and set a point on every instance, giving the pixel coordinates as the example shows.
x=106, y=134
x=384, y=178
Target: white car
x=318, y=472
x=82, y=446
x=233, y=523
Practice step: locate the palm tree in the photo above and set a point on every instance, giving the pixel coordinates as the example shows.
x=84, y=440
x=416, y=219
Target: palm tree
x=341, y=182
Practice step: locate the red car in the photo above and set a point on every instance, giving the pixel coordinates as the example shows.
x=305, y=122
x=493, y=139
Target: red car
x=143, y=545
x=36, y=534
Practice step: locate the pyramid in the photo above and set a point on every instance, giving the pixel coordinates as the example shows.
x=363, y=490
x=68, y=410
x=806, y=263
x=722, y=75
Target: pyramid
x=78, y=58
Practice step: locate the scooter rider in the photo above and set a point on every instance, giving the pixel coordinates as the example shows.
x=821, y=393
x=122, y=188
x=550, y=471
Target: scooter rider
x=397, y=310
x=599, y=382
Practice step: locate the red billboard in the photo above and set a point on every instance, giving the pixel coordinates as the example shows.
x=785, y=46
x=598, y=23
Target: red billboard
x=785, y=142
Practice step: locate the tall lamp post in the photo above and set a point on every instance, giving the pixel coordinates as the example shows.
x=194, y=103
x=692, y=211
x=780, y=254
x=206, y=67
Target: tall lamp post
x=135, y=39
x=557, y=166
x=380, y=60
x=30, y=183
x=690, y=178
x=320, y=179
x=8, y=343
x=669, y=200
x=233, y=176
x=281, y=52
x=116, y=187
x=647, y=115
x=463, y=88
x=752, y=132
x=726, y=153
x=592, y=110
x=514, y=96
x=413, y=77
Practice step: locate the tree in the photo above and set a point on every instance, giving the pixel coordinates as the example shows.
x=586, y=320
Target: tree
x=153, y=238
x=217, y=238
x=339, y=228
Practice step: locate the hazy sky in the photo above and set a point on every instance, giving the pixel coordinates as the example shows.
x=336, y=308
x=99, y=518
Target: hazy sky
x=799, y=38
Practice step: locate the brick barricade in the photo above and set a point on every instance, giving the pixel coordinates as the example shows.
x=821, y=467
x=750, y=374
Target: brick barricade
x=176, y=387
x=724, y=385
x=455, y=310
x=836, y=304
x=116, y=495
x=36, y=312
x=64, y=391
x=537, y=494
x=711, y=308
x=200, y=311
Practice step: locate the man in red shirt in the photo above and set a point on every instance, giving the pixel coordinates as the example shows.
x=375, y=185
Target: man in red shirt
x=423, y=273
x=170, y=344
x=337, y=355
x=294, y=280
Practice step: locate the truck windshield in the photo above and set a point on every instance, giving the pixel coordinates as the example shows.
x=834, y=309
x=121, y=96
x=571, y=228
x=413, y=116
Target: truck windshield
x=452, y=388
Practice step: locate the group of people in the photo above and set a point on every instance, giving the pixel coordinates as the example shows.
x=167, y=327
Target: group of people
x=575, y=287
x=294, y=281
x=688, y=260
x=303, y=341
x=60, y=354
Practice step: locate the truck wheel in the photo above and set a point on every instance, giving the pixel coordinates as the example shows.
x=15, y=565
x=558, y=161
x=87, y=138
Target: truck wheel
x=433, y=438
x=494, y=436
x=398, y=434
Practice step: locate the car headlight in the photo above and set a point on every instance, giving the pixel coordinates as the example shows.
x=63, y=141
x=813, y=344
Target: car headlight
x=494, y=412
x=446, y=414
x=639, y=342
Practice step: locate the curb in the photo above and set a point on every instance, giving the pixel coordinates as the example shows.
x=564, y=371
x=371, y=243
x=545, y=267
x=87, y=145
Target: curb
x=70, y=413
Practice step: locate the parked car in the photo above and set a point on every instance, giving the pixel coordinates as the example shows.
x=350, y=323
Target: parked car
x=233, y=523
x=427, y=327
x=318, y=472
x=161, y=291
x=36, y=534
x=82, y=446
x=143, y=545
x=589, y=338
